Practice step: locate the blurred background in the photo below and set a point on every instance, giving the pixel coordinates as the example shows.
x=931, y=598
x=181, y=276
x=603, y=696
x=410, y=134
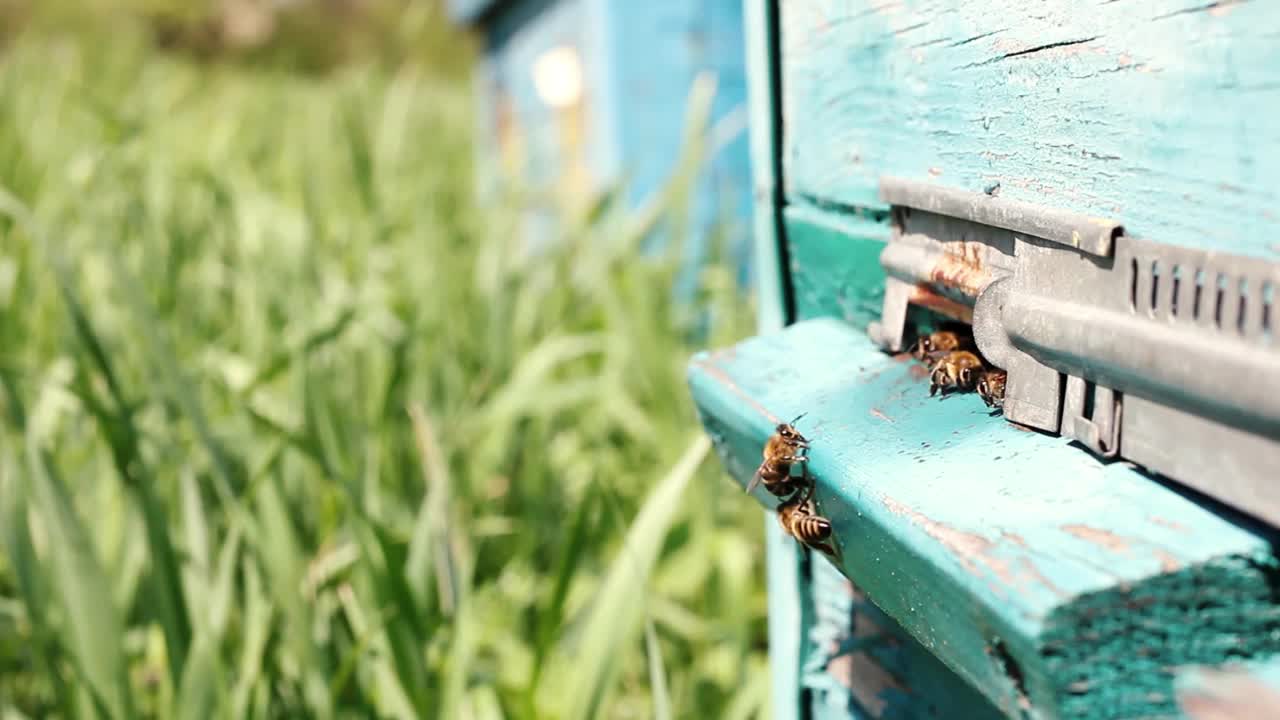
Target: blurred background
x=294, y=422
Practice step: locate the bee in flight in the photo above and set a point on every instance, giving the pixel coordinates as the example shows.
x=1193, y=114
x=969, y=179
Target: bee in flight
x=991, y=387
x=931, y=346
x=782, y=451
x=957, y=370
x=799, y=520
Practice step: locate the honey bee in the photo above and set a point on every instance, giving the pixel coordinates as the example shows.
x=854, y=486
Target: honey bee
x=799, y=520
x=991, y=387
x=958, y=370
x=936, y=343
x=781, y=452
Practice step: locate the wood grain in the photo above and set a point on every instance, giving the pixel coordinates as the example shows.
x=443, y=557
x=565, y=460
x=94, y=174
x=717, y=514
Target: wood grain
x=1051, y=582
x=1160, y=113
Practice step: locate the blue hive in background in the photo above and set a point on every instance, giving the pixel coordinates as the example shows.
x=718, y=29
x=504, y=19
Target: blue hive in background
x=577, y=96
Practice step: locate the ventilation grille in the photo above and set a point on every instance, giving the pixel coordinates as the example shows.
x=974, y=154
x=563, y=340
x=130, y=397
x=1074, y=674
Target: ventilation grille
x=1203, y=295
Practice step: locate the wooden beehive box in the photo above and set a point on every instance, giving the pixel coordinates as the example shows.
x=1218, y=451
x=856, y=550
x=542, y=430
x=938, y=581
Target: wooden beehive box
x=1092, y=189
x=576, y=96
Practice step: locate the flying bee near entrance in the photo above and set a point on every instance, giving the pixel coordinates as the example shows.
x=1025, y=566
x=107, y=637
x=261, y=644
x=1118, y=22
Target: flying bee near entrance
x=783, y=451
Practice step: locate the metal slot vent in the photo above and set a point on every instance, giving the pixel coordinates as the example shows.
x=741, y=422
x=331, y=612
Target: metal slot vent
x=1160, y=354
x=1205, y=296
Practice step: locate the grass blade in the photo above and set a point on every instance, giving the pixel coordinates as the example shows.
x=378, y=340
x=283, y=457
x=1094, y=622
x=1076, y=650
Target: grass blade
x=201, y=688
x=32, y=588
x=256, y=618
x=431, y=529
x=553, y=615
x=117, y=426
x=618, y=611
x=95, y=633
x=657, y=674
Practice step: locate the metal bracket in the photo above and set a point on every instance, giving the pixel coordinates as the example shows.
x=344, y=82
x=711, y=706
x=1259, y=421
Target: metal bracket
x=1094, y=424
x=1164, y=355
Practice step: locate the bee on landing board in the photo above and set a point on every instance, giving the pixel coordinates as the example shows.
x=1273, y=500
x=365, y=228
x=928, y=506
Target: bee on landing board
x=935, y=344
x=782, y=452
x=991, y=387
x=957, y=370
x=799, y=520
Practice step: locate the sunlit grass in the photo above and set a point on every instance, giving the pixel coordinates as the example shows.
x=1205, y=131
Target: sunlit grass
x=292, y=427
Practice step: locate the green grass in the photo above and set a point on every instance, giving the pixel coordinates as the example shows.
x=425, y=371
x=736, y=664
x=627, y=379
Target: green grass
x=290, y=426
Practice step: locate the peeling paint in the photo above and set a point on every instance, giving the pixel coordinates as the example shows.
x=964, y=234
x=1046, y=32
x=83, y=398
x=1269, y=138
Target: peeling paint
x=866, y=679
x=972, y=549
x=1168, y=563
x=1229, y=695
x=1168, y=523
x=967, y=547
x=723, y=378
x=1102, y=538
x=875, y=412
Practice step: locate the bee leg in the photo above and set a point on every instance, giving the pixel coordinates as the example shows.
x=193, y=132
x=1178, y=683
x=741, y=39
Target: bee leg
x=798, y=495
x=937, y=378
x=805, y=492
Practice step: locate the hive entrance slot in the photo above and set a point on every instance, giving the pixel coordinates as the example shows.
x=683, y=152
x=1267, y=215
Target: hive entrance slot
x=1115, y=341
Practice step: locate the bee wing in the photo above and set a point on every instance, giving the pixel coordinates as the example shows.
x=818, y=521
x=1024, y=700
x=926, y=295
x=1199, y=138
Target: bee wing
x=755, y=480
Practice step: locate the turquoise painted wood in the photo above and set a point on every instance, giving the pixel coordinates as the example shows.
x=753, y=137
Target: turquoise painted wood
x=633, y=66
x=787, y=565
x=1056, y=585
x=1241, y=691
x=835, y=264
x=1022, y=568
x=1160, y=113
x=833, y=653
x=859, y=663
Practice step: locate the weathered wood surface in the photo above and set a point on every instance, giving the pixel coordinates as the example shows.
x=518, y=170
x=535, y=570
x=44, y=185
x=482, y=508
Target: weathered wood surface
x=1053, y=583
x=786, y=565
x=1160, y=113
x=1234, y=692
x=835, y=265
x=766, y=190
x=860, y=665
